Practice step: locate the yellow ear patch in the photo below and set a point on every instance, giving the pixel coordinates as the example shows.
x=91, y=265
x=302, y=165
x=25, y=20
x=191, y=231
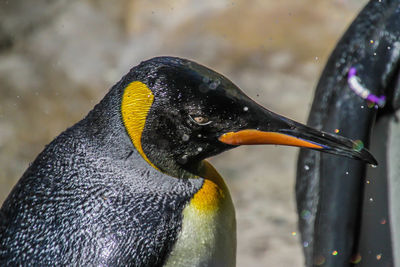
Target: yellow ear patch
x=136, y=102
x=213, y=192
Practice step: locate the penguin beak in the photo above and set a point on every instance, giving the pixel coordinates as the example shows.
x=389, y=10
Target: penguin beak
x=276, y=129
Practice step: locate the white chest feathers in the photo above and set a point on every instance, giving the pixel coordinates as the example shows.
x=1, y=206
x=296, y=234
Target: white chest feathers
x=208, y=235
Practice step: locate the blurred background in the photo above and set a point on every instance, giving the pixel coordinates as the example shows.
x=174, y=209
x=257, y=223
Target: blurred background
x=59, y=58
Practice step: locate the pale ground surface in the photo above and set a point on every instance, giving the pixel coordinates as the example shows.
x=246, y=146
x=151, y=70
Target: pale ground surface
x=58, y=60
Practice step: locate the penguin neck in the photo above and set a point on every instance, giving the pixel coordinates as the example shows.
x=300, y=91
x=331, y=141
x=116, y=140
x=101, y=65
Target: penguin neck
x=104, y=128
x=170, y=166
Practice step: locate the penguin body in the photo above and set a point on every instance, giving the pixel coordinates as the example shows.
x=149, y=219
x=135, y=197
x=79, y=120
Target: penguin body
x=365, y=224
x=91, y=191
x=129, y=185
x=79, y=197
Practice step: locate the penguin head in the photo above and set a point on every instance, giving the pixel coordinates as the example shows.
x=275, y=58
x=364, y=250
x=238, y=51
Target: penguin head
x=177, y=113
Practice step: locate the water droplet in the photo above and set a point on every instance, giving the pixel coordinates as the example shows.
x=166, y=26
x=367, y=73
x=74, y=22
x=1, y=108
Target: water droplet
x=185, y=137
x=358, y=145
x=199, y=135
x=370, y=104
x=305, y=215
x=245, y=109
x=371, y=199
x=356, y=258
x=389, y=48
x=319, y=260
x=306, y=167
x=199, y=149
x=362, y=106
x=214, y=84
x=183, y=159
x=347, y=173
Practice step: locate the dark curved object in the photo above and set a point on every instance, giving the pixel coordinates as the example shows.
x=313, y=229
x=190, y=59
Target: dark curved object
x=343, y=204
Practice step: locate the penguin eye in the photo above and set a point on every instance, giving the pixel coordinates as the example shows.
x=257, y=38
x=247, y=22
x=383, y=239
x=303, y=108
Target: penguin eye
x=200, y=120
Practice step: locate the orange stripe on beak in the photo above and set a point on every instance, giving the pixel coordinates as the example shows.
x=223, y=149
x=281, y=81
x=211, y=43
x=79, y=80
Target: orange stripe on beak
x=255, y=137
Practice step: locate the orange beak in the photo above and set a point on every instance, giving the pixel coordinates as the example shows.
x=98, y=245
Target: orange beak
x=275, y=129
x=256, y=137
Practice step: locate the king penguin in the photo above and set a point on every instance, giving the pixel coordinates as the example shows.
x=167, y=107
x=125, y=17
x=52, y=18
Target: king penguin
x=129, y=184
